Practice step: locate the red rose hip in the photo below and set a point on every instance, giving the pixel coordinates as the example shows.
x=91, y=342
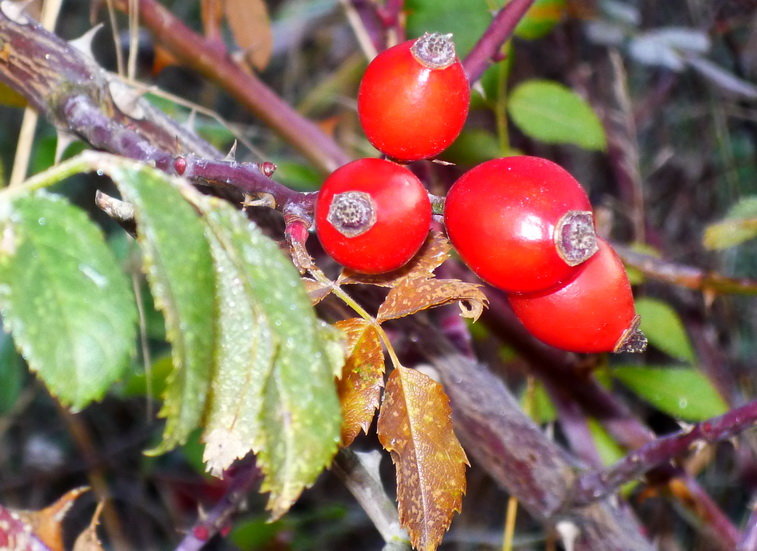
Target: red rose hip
x=372, y=215
x=521, y=223
x=594, y=312
x=413, y=99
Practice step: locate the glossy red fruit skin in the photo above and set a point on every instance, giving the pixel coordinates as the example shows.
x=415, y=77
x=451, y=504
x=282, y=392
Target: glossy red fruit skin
x=409, y=111
x=590, y=313
x=402, y=216
x=502, y=217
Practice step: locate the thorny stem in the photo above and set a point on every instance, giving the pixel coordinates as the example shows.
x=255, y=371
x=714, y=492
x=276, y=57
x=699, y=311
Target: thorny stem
x=195, y=51
x=683, y=275
x=596, y=485
x=499, y=31
x=243, y=479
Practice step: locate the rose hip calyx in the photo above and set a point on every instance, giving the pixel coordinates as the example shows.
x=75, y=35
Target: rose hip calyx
x=575, y=237
x=633, y=340
x=434, y=50
x=352, y=213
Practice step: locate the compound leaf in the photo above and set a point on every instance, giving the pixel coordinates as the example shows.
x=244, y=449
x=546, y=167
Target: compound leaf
x=243, y=362
x=298, y=420
x=415, y=426
x=69, y=308
x=179, y=268
x=362, y=377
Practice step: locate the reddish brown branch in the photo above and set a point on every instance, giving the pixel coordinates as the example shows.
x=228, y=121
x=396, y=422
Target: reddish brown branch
x=245, y=476
x=596, y=485
x=501, y=29
x=685, y=276
x=197, y=52
x=75, y=94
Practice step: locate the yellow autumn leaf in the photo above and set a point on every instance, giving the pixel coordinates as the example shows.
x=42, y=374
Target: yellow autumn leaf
x=359, y=388
x=415, y=426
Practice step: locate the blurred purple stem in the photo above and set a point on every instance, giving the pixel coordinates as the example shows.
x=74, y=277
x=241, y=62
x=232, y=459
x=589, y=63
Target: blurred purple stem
x=244, y=477
x=500, y=30
x=596, y=485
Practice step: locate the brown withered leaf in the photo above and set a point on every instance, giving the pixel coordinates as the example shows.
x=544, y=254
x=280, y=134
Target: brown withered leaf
x=88, y=539
x=432, y=254
x=251, y=27
x=415, y=426
x=359, y=388
x=44, y=526
x=211, y=13
x=316, y=290
x=413, y=295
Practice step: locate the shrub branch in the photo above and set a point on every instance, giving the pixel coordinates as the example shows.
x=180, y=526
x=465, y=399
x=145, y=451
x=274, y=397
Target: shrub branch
x=598, y=484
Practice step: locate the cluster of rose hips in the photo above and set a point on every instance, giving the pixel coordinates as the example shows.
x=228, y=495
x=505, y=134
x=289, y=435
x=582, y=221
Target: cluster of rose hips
x=523, y=224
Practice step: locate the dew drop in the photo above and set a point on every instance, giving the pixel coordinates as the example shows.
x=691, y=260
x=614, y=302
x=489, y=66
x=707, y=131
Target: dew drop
x=96, y=277
x=683, y=403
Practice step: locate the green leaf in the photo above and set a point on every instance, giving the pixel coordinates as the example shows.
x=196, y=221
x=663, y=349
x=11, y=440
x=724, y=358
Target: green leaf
x=553, y=113
x=179, y=268
x=298, y=176
x=609, y=450
x=683, y=393
x=11, y=373
x=465, y=20
x=150, y=382
x=540, y=19
x=69, y=308
x=664, y=329
x=541, y=409
x=738, y=226
x=473, y=147
x=243, y=363
x=298, y=420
